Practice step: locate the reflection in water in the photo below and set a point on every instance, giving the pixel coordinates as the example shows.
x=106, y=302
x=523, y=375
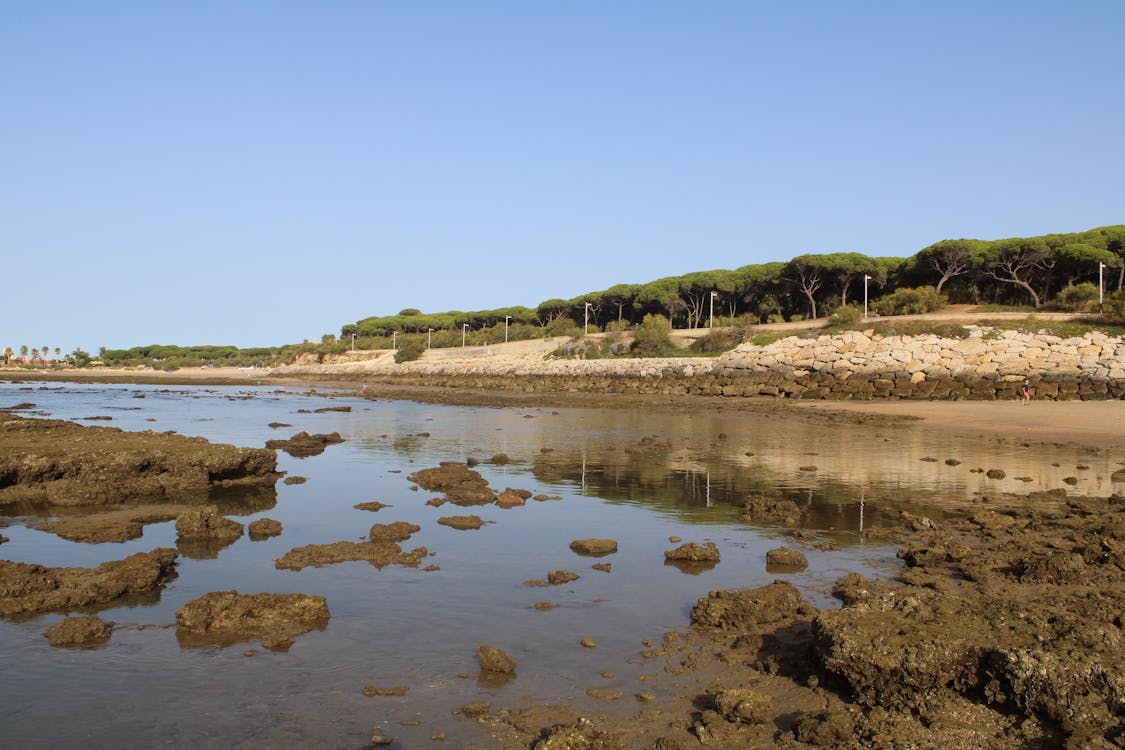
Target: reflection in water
x=691, y=568
x=636, y=478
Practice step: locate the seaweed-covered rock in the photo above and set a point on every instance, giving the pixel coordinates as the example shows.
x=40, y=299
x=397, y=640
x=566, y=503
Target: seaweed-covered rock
x=379, y=554
x=226, y=617
x=747, y=608
x=27, y=588
x=461, y=522
x=206, y=523
x=63, y=463
x=399, y=531
x=461, y=485
x=510, y=498
x=78, y=631
x=593, y=547
x=497, y=660
x=264, y=528
x=557, y=577
x=692, y=552
x=303, y=445
x=770, y=510
x=787, y=559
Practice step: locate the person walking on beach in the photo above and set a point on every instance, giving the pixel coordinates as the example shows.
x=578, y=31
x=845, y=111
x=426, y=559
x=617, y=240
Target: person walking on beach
x=1026, y=391
x=364, y=389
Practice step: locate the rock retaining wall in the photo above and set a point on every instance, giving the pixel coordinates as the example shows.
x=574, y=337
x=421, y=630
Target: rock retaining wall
x=988, y=364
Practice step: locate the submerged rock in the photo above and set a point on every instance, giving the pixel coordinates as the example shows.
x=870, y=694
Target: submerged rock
x=461, y=522
x=113, y=526
x=692, y=552
x=787, y=559
x=303, y=445
x=205, y=524
x=510, y=498
x=379, y=554
x=399, y=531
x=493, y=659
x=558, y=577
x=264, y=528
x=227, y=617
x=78, y=631
x=761, y=509
x=461, y=485
x=594, y=547
x=27, y=588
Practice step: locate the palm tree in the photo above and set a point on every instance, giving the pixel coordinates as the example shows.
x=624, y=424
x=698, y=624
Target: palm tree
x=8, y=355
x=58, y=353
x=23, y=352
x=34, y=354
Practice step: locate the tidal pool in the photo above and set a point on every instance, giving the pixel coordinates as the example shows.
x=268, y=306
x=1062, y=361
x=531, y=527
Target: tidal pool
x=634, y=477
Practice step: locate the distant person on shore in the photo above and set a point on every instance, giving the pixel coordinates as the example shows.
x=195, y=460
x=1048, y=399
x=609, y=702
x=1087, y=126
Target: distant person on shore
x=364, y=390
x=1026, y=391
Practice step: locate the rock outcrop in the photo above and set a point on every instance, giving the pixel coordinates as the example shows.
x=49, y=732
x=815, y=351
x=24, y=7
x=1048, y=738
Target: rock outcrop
x=63, y=463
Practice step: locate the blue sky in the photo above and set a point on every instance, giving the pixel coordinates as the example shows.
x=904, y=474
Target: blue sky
x=258, y=173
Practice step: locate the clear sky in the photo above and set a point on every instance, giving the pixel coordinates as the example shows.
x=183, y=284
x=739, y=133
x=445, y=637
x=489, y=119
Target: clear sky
x=258, y=173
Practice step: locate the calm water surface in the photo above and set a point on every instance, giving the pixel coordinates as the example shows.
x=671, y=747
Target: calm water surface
x=634, y=477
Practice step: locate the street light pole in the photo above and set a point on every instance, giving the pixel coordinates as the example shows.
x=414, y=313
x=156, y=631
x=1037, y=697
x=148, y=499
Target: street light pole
x=866, y=278
x=506, y=319
x=464, y=331
x=394, y=341
x=353, y=342
x=1101, y=270
x=711, y=324
x=429, y=337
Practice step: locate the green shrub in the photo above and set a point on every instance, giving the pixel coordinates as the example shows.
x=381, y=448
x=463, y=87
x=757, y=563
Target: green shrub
x=911, y=301
x=617, y=326
x=719, y=340
x=564, y=326
x=775, y=318
x=1078, y=297
x=1115, y=303
x=409, y=351
x=847, y=315
x=651, y=336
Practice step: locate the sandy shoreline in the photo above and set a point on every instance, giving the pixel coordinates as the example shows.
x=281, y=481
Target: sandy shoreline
x=1094, y=423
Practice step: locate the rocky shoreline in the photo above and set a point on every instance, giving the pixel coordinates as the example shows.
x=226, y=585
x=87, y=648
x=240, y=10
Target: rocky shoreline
x=861, y=365
x=55, y=462
x=1002, y=630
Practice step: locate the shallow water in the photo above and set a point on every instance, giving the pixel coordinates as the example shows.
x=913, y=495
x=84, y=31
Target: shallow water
x=634, y=477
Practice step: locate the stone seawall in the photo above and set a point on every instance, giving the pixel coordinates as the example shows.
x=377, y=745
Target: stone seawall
x=988, y=364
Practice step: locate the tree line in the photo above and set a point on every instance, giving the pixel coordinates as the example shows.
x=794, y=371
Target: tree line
x=1022, y=271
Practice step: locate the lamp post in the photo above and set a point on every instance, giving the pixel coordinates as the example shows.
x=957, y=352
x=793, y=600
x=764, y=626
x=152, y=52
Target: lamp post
x=586, y=319
x=429, y=337
x=506, y=319
x=464, y=332
x=711, y=323
x=353, y=341
x=394, y=341
x=1101, y=270
x=866, y=279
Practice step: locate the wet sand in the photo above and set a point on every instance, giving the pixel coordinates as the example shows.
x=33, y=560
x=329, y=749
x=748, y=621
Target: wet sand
x=1094, y=423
